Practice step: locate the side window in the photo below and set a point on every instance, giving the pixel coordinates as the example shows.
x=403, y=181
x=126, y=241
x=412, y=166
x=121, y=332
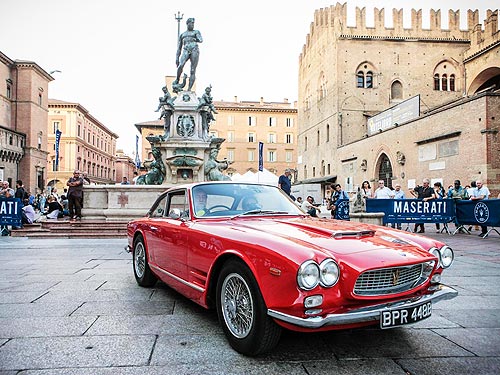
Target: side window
x=178, y=201
x=160, y=209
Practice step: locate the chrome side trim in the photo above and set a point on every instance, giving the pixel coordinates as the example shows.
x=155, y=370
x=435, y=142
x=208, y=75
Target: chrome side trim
x=441, y=292
x=177, y=278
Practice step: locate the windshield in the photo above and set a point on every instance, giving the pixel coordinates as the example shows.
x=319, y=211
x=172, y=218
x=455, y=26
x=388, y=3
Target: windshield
x=231, y=199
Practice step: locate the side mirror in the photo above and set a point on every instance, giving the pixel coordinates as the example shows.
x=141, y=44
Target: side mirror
x=174, y=213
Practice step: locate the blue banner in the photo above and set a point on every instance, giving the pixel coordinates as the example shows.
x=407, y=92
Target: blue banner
x=10, y=211
x=137, y=159
x=58, y=140
x=342, y=211
x=413, y=210
x=261, y=158
x=479, y=212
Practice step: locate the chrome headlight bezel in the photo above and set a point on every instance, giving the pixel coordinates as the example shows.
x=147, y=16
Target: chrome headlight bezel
x=447, y=256
x=428, y=268
x=435, y=251
x=308, y=275
x=329, y=273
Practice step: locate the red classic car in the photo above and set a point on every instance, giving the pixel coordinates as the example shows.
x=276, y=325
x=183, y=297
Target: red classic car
x=251, y=253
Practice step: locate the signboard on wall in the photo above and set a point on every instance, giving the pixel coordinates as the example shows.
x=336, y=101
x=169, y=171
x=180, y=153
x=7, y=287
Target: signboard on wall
x=400, y=113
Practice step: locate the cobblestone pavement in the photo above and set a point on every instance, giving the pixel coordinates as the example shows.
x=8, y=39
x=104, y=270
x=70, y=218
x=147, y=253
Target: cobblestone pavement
x=73, y=307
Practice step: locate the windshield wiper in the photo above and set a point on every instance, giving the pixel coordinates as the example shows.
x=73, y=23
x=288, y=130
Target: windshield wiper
x=263, y=212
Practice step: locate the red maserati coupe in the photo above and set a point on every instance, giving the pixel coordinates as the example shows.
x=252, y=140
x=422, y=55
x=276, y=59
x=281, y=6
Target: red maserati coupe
x=251, y=253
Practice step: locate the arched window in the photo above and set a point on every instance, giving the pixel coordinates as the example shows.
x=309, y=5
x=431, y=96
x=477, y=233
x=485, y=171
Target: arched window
x=385, y=170
x=436, y=82
x=317, y=138
x=361, y=80
x=396, y=90
x=328, y=132
x=369, y=80
x=452, y=82
x=444, y=82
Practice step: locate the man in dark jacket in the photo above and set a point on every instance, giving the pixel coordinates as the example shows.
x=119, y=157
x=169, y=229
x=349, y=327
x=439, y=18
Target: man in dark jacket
x=75, y=195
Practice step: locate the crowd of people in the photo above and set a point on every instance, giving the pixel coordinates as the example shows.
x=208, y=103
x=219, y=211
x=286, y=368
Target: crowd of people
x=475, y=191
x=49, y=204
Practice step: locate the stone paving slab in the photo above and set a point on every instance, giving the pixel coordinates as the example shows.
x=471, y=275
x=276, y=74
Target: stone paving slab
x=70, y=352
x=452, y=366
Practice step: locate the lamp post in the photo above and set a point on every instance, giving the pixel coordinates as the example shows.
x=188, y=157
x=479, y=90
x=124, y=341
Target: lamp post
x=178, y=17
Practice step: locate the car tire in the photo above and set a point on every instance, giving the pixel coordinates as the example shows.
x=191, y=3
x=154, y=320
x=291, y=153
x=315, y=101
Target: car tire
x=242, y=311
x=143, y=274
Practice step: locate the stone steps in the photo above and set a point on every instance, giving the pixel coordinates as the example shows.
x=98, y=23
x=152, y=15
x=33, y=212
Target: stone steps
x=63, y=228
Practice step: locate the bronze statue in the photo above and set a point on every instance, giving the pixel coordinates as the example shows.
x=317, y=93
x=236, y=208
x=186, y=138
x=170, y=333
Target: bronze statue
x=188, y=45
x=214, y=168
x=206, y=112
x=166, y=104
x=156, y=173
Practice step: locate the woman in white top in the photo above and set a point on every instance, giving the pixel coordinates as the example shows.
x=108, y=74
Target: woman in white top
x=366, y=190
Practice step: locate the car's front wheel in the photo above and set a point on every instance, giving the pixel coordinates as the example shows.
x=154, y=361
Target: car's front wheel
x=242, y=311
x=143, y=274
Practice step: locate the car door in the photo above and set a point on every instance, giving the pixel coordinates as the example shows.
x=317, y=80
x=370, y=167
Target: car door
x=168, y=235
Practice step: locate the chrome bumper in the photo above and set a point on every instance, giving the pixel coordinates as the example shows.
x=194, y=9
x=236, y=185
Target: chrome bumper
x=372, y=313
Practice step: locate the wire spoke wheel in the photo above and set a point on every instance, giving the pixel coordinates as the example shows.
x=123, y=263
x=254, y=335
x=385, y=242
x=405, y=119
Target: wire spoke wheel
x=140, y=260
x=237, y=305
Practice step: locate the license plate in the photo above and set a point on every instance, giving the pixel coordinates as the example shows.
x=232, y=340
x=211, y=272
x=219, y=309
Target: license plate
x=401, y=316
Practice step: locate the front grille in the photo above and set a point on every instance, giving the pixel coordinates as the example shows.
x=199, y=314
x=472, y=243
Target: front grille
x=388, y=280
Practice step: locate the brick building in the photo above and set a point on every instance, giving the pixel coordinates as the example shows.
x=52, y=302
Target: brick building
x=244, y=124
x=86, y=144
x=348, y=77
x=23, y=122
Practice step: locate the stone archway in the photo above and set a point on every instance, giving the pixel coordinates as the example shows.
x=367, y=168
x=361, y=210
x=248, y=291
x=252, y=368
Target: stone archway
x=487, y=79
x=384, y=170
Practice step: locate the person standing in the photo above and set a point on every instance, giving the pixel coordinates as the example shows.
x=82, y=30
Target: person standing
x=284, y=182
x=366, y=190
x=480, y=192
x=425, y=193
x=398, y=194
x=439, y=193
x=125, y=181
x=75, y=195
x=6, y=191
x=383, y=192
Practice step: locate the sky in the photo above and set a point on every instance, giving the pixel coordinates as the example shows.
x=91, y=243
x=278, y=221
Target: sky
x=114, y=54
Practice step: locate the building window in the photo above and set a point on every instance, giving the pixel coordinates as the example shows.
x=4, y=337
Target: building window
x=364, y=76
x=436, y=82
x=251, y=137
x=317, y=138
x=288, y=156
x=452, y=82
x=305, y=143
x=305, y=172
x=444, y=83
x=327, y=132
x=252, y=121
x=360, y=80
x=396, y=90
x=271, y=138
x=40, y=99
x=40, y=140
x=272, y=121
x=271, y=156
x=9, y=92
x=314, y=172
x=79, y=128
x=251, y=155
x=230, y=154
x=230, y=120
x=289, y=122
x=230, y=136
x=369, y=80
x=288, y=138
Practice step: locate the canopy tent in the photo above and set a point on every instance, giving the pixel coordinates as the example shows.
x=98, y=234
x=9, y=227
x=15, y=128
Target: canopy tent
x=264, y=177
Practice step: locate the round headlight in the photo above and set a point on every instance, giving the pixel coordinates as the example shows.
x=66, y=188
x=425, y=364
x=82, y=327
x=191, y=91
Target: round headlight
x=434, y=251
x=329, y=273
x=308, y=275
x=447, y=256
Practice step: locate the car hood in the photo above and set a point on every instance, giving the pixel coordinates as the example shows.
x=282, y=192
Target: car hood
x=321, y=238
